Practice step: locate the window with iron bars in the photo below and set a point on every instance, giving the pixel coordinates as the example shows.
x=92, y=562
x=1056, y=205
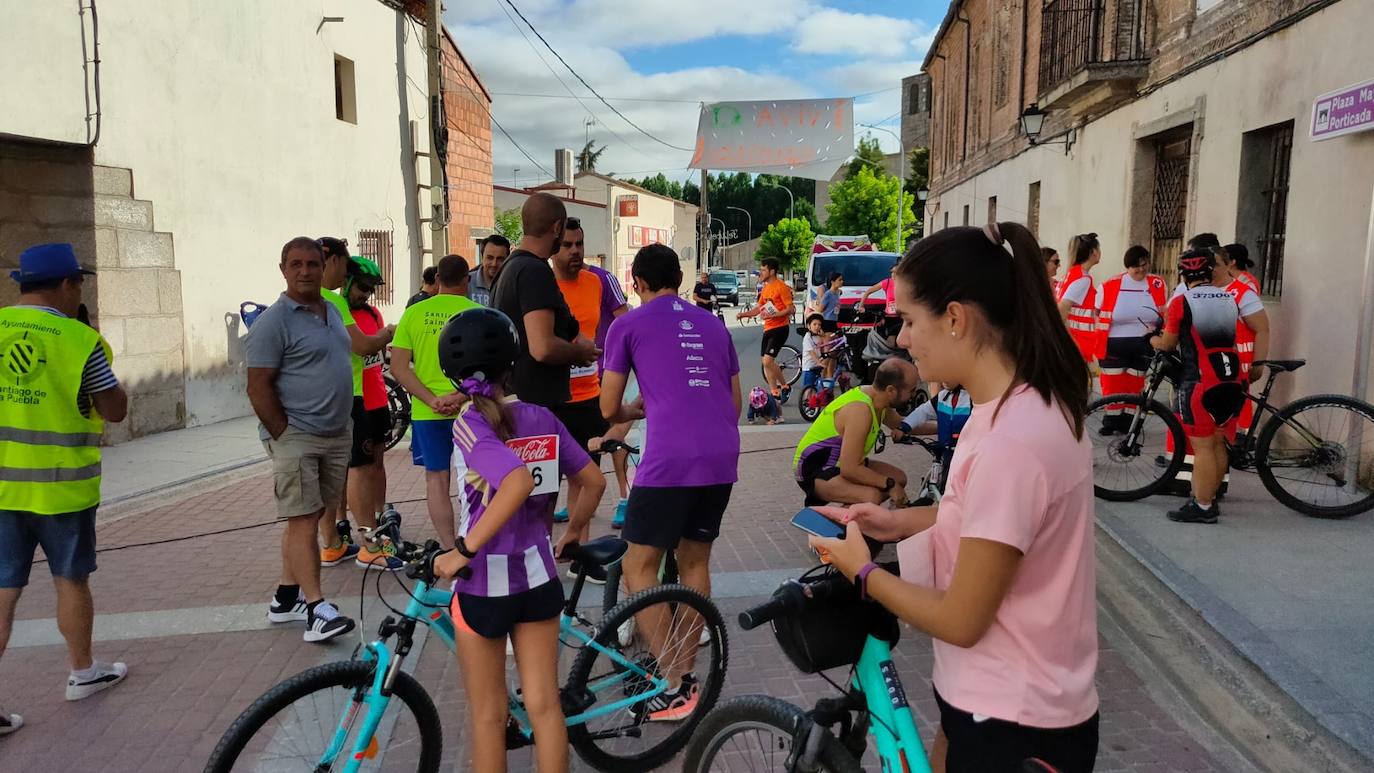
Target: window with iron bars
x=1262, y=217
x=376, y=245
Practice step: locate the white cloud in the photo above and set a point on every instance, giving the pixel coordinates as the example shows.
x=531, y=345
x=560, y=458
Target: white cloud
x=864, y=76
x=831, y=31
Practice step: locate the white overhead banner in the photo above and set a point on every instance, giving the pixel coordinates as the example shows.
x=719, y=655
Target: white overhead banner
x=799, y=137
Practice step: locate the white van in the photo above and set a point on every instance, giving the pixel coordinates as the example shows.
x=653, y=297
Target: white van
x=861, y=266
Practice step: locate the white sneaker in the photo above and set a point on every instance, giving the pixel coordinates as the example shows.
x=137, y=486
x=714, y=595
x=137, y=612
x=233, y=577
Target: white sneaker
x=288, y=613
x=325, y=623
x=10, y=723
x=100, y=677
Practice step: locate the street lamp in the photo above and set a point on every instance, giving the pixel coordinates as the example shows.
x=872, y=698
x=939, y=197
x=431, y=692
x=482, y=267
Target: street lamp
x=901, y=182
x=791, y=200
x=715, y=219
x=751, y=220
x=1033, y=121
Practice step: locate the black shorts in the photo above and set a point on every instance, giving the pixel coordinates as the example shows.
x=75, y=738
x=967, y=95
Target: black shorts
x=998, y=746
x=660, y=516
x=494, y=617
x=584, y=421
x=815, y=466
x=1130, y=352
x=370, y=429
x=774, y=339
x=889, y=326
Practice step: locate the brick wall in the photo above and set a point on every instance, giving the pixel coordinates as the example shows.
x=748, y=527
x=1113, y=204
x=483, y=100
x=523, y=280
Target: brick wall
x=469, y=153
x=1172, y=34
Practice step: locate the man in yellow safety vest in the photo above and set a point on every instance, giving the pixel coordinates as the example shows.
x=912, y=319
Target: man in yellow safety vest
x=56, y=393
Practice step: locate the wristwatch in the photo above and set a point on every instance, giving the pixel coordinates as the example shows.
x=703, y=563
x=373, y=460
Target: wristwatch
x=861, y=579
x=463, y=550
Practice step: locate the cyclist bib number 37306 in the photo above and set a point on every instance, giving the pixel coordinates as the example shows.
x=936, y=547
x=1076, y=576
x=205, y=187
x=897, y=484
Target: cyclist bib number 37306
x=540, y=455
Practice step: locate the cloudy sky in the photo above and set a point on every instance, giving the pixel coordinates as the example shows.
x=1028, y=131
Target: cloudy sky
x=656, y=60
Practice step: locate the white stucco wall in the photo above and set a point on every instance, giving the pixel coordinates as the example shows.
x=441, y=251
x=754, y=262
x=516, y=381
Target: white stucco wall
x=1268, y=83
x=225, y=114
x=655, y=211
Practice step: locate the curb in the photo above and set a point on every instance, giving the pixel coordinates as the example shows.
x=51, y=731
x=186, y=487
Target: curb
x=1311, y=694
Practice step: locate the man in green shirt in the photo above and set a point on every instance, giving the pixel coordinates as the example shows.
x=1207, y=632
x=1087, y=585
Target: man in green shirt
x=434, y=399
x=334, y=548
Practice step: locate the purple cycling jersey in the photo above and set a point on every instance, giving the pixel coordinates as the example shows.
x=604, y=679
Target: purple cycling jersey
x=520, y=556
x=684, y=361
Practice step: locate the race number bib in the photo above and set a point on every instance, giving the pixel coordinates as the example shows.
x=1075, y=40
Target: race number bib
x=769, y=310
x=583, y=371
x=540, y=455
x=372, y=361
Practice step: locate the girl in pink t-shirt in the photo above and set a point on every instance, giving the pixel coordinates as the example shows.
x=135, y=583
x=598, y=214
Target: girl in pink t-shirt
x=1001, y=572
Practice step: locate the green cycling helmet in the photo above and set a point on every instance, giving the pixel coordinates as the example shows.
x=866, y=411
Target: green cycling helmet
x=364, y=269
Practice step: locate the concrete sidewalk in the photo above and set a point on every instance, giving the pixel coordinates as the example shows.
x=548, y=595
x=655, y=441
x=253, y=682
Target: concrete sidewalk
x=1291, y=593
x=158, y=462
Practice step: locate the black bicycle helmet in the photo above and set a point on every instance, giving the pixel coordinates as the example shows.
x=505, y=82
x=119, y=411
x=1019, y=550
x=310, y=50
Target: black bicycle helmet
x=478, y=342
x=1196, y=264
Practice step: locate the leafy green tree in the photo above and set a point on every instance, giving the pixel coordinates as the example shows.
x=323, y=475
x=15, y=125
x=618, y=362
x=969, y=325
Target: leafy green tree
x=869, y=155
x=508, y=224
x=588, y=156
x=867, y=204
x=789, y=240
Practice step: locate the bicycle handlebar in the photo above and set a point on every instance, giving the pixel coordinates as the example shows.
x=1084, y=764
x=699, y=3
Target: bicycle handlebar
x=419, y=558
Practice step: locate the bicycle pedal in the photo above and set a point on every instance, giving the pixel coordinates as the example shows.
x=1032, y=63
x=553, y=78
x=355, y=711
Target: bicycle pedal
x=515, y=737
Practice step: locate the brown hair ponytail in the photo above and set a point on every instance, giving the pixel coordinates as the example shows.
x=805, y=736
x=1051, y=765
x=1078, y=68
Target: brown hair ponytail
x=494, y=411
x=970, y=265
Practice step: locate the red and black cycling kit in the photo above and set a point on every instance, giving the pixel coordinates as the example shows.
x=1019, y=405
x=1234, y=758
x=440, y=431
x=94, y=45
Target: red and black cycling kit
x=1211, y=391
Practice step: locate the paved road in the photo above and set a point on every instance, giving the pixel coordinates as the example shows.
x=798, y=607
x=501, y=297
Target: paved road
x=186, y=616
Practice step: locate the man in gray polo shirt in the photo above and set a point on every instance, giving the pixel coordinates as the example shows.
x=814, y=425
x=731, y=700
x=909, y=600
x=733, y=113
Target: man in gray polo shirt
x=300, y=382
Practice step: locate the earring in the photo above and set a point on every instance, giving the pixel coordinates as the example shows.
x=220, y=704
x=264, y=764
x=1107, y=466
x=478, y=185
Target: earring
x=952, y=334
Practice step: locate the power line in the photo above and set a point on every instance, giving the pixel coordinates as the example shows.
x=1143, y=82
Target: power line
x=556, y=77
x=588, y=85
x=614, y=99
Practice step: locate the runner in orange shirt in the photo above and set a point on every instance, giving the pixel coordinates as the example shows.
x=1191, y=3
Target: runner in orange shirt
x=775, y=307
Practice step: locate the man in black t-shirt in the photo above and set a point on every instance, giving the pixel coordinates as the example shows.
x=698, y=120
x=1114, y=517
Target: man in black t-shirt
x=527, y=292
x=428, y=286
x=704, y=292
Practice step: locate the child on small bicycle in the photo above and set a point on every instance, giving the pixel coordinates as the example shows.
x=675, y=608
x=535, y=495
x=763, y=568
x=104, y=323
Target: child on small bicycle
x=514, y=454
x=815, y=344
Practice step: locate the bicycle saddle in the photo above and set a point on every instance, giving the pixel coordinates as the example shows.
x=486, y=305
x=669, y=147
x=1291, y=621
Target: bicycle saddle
x=601, y=551
x=1282, y=366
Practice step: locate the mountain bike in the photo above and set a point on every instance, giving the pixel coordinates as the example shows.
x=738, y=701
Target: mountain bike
x=932, y=485
x=814, y=398
x=1315, y=455
x=345, y=716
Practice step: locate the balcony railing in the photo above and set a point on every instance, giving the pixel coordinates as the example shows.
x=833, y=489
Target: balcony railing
x=1075, y=34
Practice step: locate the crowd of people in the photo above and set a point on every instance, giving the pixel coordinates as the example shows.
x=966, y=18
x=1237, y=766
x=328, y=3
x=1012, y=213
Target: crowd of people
x=531, y=345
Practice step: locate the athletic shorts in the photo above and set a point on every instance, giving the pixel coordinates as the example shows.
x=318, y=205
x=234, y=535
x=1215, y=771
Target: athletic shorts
x=584, y=422
x=68, y=542
x=308, y=471
x=998, y=745
x=773, y=340
x=1130, y=352
x=435, y=437
x=494, y=617
x=889, y=326
x=1205, y=412
x=660, y=516
x=813, y=467
x=370, y=429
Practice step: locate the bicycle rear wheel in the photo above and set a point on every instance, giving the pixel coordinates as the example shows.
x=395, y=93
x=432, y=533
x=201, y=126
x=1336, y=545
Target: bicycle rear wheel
x=789, y=361
x=1135, y=463
x=291, y=726
x=755, y=732
x=1317, y=456
x=398, y=402
x=807, y=404
x=626, y=738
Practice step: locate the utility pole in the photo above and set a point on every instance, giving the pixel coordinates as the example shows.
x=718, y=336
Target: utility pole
x=704, y=225
x=438, y=209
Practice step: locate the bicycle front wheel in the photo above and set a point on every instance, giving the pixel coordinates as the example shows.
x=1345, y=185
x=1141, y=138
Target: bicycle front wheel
x=1317, y=456
x=649, y=639
x=756, y=732
x=294, y=725
x=399, y=404
x=1138, y=446
x=789, y=362
x=807, y=404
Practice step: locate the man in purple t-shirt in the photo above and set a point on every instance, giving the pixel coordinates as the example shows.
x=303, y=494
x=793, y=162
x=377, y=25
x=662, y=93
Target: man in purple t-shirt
x=688, y=377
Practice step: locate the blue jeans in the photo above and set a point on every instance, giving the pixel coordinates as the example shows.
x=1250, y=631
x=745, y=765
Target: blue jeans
x=68, y=541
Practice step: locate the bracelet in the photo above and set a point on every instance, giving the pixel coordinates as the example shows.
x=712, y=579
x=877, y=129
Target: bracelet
x=861, y=579
x=462, y=546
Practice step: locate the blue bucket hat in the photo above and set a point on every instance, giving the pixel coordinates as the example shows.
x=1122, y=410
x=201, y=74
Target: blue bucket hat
x=45, y=262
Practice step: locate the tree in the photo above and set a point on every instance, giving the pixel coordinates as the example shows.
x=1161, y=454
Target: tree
x=660, y=185
x=870, y=155
x=867, y=204
x=918, y=177
x=588, y=156
x=789, y=240
x=508, y=224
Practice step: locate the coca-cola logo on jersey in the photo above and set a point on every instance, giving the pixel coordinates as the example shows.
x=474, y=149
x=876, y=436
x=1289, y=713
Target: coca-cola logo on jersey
x=540, y=448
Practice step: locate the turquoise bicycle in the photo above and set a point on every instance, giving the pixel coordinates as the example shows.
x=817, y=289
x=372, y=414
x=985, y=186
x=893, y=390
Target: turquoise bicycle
x=368, y=714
